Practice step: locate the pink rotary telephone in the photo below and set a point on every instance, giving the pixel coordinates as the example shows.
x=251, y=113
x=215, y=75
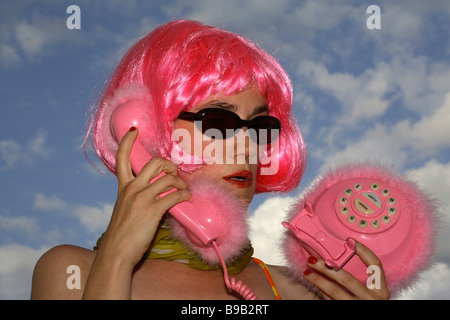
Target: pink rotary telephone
x=371, y=205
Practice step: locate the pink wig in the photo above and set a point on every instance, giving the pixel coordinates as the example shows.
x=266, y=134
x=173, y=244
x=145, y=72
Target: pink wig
x=179, y=65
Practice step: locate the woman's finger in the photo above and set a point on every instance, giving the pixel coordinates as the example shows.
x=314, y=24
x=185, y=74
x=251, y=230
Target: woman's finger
x=166, y=183
x=154, y=168
x=329, y=280
x=123, y=164
x=342, y=277
x=371, y=260
x=329, y=289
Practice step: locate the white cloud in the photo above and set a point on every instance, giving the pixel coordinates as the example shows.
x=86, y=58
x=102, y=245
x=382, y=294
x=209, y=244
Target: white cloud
x=28, y=33
x=16, y=270
x=419, y=81
x=236, y=13
x=41, y=34
x=31, y=39
x=266, y=229
x=361, y=97
x=18, y=224
x=48, y=203
x=400, y=143
x=433, y=285
x=410, y=83
x=37, y=145
x=8, y=55
x=12, y=152
x=434, y=177
x=432, y=132
x=94, y=219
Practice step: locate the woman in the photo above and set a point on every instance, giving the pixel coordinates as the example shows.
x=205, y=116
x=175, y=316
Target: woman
x=176, y=73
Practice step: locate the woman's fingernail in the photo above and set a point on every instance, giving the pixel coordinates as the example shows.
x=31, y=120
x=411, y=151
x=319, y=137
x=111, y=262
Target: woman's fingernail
x=307, y=271
x=312, y=260
x=132, y=128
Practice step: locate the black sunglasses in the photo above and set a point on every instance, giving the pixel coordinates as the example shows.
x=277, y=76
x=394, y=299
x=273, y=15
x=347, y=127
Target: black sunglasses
x=228, y=123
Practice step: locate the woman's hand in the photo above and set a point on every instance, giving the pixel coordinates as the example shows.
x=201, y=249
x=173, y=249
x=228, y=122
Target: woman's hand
x=139, y=209
x=135, y=219
x=318, y=273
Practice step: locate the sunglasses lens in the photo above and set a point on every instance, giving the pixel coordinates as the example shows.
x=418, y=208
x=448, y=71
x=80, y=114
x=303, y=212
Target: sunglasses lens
x=213, y=120
x=267, y=129
x=218, y=119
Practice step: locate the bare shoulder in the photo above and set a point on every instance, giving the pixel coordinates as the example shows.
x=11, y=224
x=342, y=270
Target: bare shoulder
x=289, y=287
x=61, y=273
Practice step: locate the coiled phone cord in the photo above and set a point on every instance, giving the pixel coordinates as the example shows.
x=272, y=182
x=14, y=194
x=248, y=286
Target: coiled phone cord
x=238, y=287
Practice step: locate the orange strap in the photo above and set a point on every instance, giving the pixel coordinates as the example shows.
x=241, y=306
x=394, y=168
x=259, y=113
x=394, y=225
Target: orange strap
x=269, y=277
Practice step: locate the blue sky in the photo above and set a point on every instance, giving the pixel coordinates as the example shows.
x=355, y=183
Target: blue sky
x=381, y=94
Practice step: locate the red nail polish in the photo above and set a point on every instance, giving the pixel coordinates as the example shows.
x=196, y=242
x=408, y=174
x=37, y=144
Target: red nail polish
x=312, y=260
x=307, y=271
x=132, y=128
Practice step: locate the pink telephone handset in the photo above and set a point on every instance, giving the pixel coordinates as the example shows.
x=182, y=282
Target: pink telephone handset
x=204, y=227
x=309, y=230
x=201, y=219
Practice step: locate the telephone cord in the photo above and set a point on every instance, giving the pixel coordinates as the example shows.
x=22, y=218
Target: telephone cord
x=238, y=287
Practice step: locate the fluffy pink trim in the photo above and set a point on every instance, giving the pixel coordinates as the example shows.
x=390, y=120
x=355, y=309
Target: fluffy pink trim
x=236, y=238
x=149, y=130
x=106, y=141
x=424, y=211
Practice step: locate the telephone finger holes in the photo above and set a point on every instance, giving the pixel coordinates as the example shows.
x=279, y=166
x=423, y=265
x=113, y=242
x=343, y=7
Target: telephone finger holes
x=375, y=186
x=351, y=219
x=386, y=219
x=343, y=200
x=385, y=192
x=392, y=211
x=357, y=186
x=348, y=191
x=344, y=210
x=391, y=200
x=375, y=224
x=362, y=224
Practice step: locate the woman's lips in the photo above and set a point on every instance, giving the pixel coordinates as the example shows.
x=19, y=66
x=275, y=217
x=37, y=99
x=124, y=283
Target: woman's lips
x=240, y=179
